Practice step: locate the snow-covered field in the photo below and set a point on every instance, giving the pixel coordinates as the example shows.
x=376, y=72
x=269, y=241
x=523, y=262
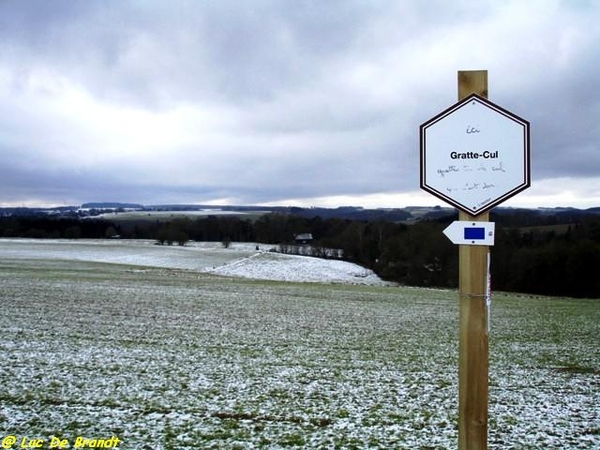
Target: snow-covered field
x=240, y=259
x=165, y=358
x=170, y=214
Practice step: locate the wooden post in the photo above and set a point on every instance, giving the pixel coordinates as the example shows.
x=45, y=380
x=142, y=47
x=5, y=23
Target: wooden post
x=473, y=334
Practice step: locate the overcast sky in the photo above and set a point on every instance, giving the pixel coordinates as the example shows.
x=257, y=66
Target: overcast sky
x=286, y=102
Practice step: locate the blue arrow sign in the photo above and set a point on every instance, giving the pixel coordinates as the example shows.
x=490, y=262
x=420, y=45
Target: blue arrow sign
x=464, y=232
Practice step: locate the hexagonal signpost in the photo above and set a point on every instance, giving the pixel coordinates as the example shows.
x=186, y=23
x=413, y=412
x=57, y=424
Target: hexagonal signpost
x=475, y=155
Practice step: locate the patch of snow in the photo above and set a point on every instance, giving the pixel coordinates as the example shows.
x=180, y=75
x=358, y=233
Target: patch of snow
x=279, y=267
x=238, y=260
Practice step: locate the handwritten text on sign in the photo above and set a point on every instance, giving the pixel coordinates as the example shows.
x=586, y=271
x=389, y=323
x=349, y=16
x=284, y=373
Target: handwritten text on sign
x=474, y=155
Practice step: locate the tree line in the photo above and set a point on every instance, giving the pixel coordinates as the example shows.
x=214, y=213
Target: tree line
x=532, y=254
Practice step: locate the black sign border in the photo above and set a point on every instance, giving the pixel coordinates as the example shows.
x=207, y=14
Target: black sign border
x=504, y=112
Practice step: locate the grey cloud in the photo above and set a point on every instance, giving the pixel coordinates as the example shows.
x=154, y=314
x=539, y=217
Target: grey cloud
x=308, y=98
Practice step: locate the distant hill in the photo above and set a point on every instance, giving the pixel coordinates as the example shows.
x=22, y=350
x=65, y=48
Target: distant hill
x=410, y=214
x=547, y=251
x=109, y=205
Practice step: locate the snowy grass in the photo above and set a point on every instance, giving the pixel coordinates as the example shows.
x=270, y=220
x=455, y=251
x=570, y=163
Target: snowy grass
x=168, y=358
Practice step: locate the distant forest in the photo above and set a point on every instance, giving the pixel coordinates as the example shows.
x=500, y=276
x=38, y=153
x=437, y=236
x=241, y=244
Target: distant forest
x=533, y=253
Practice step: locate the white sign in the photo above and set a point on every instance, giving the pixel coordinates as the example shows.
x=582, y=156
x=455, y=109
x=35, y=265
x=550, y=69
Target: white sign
x=475, y=155
x=463, y=232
